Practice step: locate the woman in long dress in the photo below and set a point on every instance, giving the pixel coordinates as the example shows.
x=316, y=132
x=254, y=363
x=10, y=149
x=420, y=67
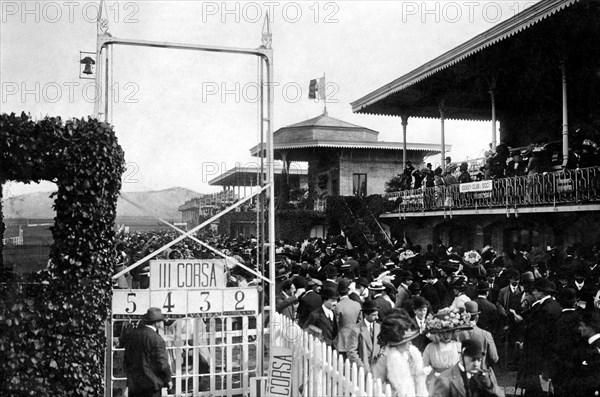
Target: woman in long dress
x=444, y=351
x=400, y=364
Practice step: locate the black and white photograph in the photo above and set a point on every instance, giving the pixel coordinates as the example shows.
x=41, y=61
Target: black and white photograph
x=300, y=198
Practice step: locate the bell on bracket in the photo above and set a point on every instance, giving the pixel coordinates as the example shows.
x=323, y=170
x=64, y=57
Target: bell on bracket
x=88, y=62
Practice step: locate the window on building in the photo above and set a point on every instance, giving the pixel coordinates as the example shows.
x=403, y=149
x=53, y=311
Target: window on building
x=359, y=185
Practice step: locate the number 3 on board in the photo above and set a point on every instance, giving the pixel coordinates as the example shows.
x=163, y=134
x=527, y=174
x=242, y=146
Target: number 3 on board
x=205, y=306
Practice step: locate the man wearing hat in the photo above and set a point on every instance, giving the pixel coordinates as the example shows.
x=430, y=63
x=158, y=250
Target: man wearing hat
x=567, y=350
x=509, y=306
x=324, y=318
x=467, y=378
x=310, y=301
x=288, y=298
x=587, y=382
x=433, y=290
x=539, y=336
x=406, y=279
x=484, y=337
x=347, y=312
x=489, y=318
x=146, y=363
x=363, y=347
x=361, y=291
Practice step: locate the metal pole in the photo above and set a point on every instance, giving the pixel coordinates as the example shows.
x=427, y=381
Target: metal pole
x=271, y=190
x=443, y=154
x=493, y=97
x=404, y=124
x=565, y=116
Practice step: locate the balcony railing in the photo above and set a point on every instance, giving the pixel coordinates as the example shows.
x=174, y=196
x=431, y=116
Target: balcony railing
x=548, y=189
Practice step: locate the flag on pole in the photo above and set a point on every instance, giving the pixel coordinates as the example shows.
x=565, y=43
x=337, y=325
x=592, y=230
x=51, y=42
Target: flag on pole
x=316, y=89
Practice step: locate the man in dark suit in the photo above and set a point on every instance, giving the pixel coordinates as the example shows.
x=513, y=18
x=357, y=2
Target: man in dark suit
x=420, y=307
x=466, y=378
x=360, y=285
x=287, y=298
x=310, y=301
x=363, y=348
x=509, y=305
x=433, y=290
x=587, y=382
x=323, y=321
x=489, y=317
x=539, y=335
x=567, y=349
x=146, y=363
x=482, y=336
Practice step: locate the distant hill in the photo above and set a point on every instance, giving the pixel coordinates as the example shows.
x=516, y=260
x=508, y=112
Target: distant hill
x=163, y=203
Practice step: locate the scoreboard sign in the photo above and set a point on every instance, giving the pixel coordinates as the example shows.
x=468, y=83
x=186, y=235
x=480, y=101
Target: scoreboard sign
x=187, y=274
x=186, y=302
x=186, y=287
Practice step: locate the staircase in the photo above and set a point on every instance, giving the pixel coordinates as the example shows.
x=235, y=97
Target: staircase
x=364, y=226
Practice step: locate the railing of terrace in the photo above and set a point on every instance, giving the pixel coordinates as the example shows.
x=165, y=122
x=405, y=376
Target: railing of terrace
x=577, y=186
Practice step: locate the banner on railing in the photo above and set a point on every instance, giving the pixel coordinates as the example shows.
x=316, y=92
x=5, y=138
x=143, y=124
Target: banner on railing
x=479, y=186
x=280, y=372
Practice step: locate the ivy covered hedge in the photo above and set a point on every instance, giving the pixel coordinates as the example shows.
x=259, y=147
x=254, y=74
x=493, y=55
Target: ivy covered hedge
x=52, y=336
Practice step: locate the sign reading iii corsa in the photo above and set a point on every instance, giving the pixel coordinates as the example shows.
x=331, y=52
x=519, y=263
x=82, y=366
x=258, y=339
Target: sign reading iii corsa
x=186, y=288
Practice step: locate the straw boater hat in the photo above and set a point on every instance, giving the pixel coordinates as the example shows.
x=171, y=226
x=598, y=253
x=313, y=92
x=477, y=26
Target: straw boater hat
x=376, y=286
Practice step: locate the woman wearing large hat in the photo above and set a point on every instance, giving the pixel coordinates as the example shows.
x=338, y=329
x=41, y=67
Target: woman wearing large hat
x=400, y=364
x=444, y=351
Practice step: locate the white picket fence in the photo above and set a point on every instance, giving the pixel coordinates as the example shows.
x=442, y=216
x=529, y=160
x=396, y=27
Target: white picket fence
x=14, y=240
x=319, y=370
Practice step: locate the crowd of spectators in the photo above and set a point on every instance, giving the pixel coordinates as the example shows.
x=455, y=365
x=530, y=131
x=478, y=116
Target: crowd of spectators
x=503, y=162
x=541, y=306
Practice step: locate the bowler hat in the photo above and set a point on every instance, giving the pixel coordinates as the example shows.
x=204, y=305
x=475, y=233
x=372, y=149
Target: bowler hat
x=472, y=308
x=406, y=275
x=369, y=306
x=414, y=287
x=362, y=281
x=544, y=285
x=343, y=287
x=483, y=286
x=472, y=348
x=329, y=293
x=527, y=278
x=153, y=315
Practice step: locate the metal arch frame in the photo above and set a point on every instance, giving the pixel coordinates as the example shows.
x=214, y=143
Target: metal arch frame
x=265, y=54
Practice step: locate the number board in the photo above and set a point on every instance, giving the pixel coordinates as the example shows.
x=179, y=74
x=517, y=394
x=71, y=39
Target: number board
x=188, y=274
x=180, y=303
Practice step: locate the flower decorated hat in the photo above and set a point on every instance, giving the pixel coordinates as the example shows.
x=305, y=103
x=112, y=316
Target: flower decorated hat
x=447, y=319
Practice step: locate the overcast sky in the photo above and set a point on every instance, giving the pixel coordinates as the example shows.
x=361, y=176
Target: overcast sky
x=183, y=117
